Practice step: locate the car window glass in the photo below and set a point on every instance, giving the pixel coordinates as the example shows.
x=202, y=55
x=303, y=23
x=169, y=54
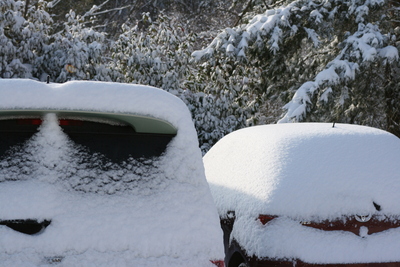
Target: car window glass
x=15, y=132
x=89, y=156
x=116, y=142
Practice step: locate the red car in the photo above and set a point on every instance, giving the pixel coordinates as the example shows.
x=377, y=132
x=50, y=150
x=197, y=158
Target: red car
x=307, y=194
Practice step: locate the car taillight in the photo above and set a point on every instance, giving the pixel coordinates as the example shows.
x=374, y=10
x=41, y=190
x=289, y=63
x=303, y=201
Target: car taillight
x=264, y=219
x=29, y=122
x=64, y=122
x=219, y=263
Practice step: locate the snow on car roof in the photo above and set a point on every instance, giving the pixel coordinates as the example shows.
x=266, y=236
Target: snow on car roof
x=305, y=170
x=166, y=217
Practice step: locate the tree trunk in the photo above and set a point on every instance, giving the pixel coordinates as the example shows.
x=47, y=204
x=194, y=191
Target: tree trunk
x=392, y=95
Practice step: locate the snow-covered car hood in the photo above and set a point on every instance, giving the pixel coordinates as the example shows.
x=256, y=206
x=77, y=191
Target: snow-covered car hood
x=166, y=218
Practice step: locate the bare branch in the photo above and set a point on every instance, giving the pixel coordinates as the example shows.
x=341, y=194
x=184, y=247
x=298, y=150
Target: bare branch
x=245, y=10
x=26, y=8
x=110, y=10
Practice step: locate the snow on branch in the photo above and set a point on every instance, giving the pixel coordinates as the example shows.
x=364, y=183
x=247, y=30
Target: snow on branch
x=268, y=26
x=367, y=44
x=313, y=36
x=273, y=26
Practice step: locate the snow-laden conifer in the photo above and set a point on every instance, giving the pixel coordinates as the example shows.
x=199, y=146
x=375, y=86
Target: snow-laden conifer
x=77, y=52
x=23, y=31
x=328, y=60
x=157, y=55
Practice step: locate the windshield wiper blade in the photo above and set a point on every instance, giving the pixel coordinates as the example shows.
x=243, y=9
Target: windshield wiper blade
x=26, y=226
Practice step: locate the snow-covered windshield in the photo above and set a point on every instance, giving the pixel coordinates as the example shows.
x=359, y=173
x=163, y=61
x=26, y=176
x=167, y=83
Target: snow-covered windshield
x=99, y=157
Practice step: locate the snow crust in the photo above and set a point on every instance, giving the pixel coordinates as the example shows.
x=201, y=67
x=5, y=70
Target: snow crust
x=307, y=172
x=105, y=216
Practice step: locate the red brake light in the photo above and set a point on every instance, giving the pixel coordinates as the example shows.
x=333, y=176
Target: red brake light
x=264, y=219
x=71, y=122
x=62, y=122
x=29, y=121
x=219, y=263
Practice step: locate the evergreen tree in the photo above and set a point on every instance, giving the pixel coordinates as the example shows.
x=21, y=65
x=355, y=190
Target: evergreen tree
x=330, y=60
x=24, y=29
x=76, y=52
x=157, y=55
x=30, y=47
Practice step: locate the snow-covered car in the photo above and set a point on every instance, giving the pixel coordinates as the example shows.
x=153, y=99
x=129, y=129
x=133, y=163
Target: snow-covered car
x=102, y=174
x=307, y=194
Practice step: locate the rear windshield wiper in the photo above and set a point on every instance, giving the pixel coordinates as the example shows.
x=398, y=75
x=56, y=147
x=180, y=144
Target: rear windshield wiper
x=28, y=226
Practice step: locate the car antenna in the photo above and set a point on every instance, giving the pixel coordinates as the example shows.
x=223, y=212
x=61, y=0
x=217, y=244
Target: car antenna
x=48, y=79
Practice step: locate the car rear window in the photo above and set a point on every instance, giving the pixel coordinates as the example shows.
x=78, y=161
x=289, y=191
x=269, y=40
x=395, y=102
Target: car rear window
x=15, y=132
x=86, y=154
x=116, y=141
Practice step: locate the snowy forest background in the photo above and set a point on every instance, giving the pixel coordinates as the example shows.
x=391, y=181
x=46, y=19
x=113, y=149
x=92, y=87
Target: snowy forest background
x=234, y=63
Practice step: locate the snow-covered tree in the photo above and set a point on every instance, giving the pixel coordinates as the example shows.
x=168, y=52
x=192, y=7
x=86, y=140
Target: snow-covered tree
x=220, y=99
x=30, y=47
x=157, y=56
x=23, y=31
x=76, y=52
x=330, y=60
